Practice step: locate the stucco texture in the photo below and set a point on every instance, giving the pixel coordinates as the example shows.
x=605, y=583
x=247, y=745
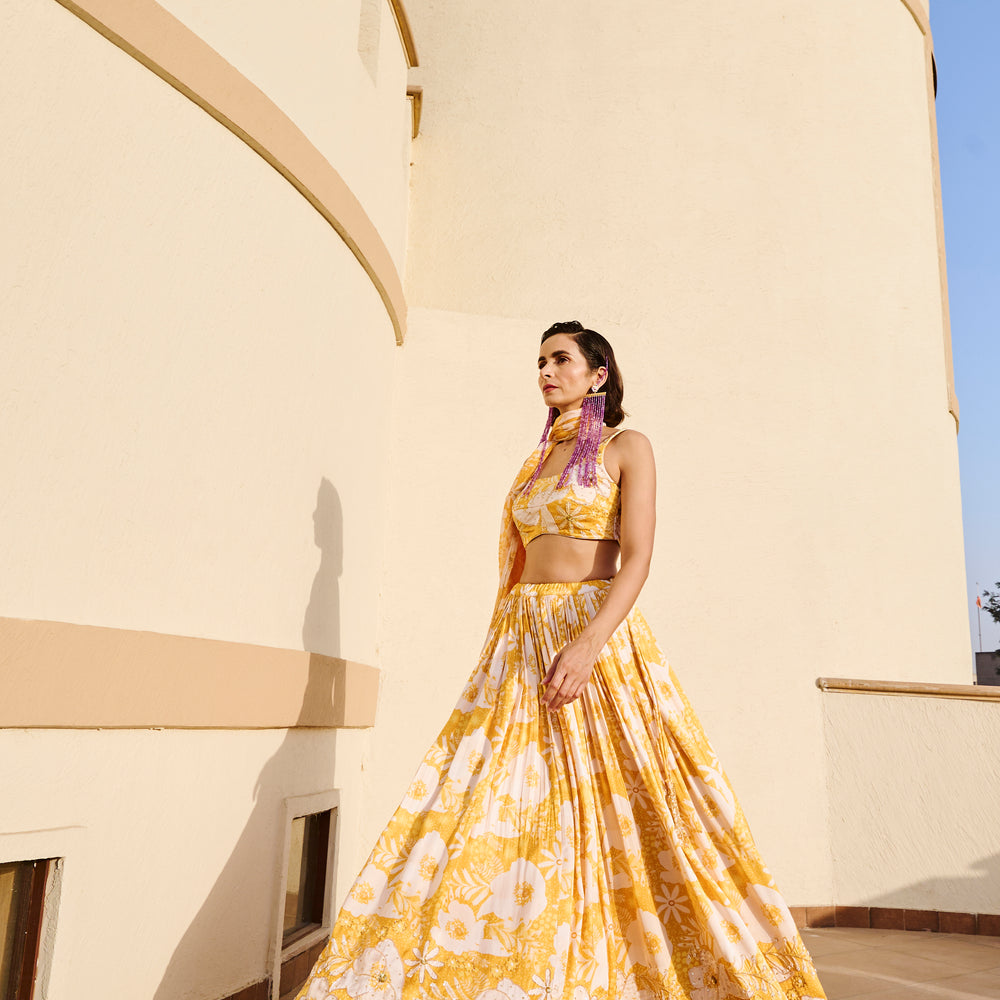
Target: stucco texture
x=914, y=802
x=185, y=380
x=171, y=844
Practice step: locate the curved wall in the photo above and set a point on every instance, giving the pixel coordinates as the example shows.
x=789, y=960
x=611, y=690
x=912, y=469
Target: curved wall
x=195, y=387
x=743, y=198
x=183, y=321
x=306, y=58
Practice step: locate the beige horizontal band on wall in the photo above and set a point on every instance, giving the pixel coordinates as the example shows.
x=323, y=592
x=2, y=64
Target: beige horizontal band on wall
x=406, y=32
x=58, y=675
x=966, y=692
x=919, y=13
x=166, y=46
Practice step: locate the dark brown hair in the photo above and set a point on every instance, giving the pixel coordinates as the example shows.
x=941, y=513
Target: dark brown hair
x=597, y=352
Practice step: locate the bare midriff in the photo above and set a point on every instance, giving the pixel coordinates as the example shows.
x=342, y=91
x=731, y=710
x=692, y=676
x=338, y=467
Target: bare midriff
x=558, y=559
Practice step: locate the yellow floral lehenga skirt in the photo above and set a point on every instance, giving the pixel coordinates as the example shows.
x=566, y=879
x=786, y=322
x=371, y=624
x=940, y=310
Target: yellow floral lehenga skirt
x=596, y=852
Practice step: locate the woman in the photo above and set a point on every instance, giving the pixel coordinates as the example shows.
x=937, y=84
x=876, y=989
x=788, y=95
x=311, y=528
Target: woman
x=571, y=833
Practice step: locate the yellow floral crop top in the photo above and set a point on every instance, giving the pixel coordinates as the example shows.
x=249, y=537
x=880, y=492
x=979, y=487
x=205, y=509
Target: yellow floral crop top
x=572, y=510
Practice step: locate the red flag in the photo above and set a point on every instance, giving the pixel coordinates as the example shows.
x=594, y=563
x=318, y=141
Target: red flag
x=979, y=603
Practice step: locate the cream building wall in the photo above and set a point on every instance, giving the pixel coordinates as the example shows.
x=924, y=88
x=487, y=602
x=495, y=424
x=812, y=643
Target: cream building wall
x=191, y=337
x=337, y=70
x=744, y=200
x=915, y=801
x=171, y=844
x=201, y=388
x=195, y=381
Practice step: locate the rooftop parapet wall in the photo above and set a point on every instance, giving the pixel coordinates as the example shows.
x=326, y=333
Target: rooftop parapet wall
x=914, y=798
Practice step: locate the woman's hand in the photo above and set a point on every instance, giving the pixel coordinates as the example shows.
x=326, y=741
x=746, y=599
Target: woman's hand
x=570, y=671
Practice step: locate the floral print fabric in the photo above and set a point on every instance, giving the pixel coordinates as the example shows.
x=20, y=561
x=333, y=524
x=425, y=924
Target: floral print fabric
x=546, y=508
x=592, y=853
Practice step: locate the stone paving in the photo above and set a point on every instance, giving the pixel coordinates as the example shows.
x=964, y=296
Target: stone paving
x=904, y=965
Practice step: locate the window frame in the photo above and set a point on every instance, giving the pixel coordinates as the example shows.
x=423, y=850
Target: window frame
x=30, y=927
x=289, y=938
x=64, y=847
x=294, y=806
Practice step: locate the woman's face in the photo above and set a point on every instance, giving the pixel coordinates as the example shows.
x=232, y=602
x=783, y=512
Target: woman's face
x=563, y=373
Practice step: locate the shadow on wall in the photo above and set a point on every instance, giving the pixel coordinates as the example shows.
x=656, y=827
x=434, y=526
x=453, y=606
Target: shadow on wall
x=321, y=625
x=252, y=869
x=986, y=873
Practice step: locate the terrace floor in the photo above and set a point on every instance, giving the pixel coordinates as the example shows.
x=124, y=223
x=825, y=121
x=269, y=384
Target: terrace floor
x=904, y=965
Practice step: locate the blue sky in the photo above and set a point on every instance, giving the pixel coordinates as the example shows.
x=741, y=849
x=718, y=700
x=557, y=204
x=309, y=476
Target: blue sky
x=966, y=45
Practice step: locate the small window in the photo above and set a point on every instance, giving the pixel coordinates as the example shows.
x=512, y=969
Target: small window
x=22, y=893
x=303, y=901
x=305, y=890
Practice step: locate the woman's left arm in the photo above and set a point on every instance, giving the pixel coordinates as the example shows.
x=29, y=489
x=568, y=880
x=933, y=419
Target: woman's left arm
x=573, y=664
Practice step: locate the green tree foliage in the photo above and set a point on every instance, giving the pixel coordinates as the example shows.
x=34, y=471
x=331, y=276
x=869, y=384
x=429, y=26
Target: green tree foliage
x=992, y=604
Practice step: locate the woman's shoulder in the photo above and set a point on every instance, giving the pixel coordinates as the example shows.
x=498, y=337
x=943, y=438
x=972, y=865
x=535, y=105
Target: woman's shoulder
x=629, y=439
x=628, y=448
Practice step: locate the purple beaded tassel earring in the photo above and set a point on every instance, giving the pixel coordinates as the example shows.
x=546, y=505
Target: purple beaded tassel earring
x=588, y=441
x=541, y=444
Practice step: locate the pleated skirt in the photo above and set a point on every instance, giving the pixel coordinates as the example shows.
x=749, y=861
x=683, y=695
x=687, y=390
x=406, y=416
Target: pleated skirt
x=596, y=852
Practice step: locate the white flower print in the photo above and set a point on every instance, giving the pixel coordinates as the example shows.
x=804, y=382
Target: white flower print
x=505, y=990
x=674, y=867
x=713, y=777
x=718, y=802
x=527, y=776
x=544, y=988
x=561, y=942
x=648, y=943
x=621, y=829
x=424, y=963
x=423, y=789
x=594, y=967
x=518, y=895
x=369, y=894
x=764, y=911
x=319, y=989
x=559, y=859
x=628, y=988
x=376, y=975
x=424, y=867
x=496, y=822
x=557, y=862
x=670, y=903
x=472, y=757
x=637, y=784
x=732, y=937
x=459, y=930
